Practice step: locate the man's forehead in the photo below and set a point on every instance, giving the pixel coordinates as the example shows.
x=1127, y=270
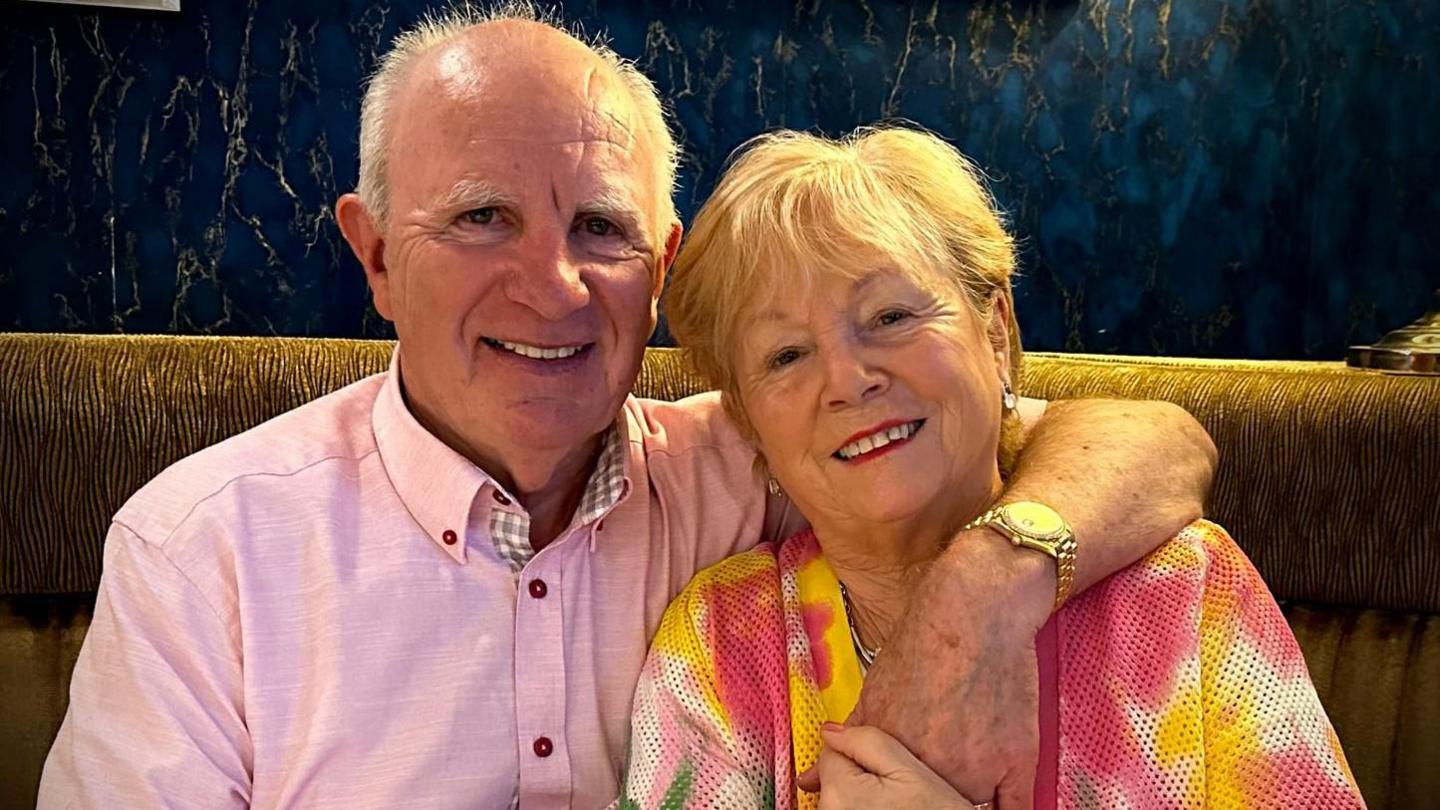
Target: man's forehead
x=525, y=98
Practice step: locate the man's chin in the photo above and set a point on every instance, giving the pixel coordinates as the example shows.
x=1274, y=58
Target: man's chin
x=556, y=423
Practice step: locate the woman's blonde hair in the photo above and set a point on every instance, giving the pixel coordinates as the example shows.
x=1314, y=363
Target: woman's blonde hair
x=792, y=207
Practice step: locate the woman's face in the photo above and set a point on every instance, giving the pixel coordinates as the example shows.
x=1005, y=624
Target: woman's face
x=876, y=399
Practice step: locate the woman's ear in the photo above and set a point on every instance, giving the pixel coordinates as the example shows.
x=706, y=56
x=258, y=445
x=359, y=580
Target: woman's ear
x=1002, y=318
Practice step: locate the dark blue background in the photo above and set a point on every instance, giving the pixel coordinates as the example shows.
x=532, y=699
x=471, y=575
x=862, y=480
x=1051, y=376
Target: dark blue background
x=1191, y=178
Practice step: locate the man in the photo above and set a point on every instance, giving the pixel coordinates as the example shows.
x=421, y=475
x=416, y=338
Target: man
x=435, y=587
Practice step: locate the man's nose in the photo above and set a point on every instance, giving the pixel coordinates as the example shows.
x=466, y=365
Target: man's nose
x=850, y=377
x=548, y=279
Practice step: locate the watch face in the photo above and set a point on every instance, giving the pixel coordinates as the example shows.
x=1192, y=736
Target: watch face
x=1034, y=519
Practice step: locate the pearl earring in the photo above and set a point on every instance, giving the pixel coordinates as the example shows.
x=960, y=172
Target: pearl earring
x=1008, y=398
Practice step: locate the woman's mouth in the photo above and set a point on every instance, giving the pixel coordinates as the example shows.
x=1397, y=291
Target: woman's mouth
x=878, y=441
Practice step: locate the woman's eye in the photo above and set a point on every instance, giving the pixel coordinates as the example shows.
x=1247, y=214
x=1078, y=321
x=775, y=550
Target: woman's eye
x=599, y=226
x=479, y=216
x=784, y=357
x=891, y=316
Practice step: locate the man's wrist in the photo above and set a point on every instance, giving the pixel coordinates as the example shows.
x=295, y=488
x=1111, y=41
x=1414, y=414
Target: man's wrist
x=995, y=571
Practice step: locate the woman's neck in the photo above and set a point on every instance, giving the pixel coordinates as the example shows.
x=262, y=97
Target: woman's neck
x=877, y=566
x=879, y=562
x=875, y=598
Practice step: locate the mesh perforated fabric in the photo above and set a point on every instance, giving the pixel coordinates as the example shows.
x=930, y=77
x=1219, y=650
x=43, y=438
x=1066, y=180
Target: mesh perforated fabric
x=712, y=730
x=1179, y=686
x=1182, y=686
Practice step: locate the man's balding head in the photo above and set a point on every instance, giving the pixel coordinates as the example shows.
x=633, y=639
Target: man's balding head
x=465, y=52
x=515, y=223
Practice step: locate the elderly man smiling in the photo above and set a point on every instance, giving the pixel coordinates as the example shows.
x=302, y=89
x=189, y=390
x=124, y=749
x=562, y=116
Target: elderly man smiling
x=435, y=587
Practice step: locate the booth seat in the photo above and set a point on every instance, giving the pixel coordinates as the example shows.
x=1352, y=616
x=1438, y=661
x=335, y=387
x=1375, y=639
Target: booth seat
x=1329, y=479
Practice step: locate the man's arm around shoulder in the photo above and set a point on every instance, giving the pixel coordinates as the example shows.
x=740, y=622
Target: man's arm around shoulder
x=156, y=715
x=957, y=684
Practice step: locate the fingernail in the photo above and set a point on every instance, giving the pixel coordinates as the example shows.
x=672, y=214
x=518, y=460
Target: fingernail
x=831, y=727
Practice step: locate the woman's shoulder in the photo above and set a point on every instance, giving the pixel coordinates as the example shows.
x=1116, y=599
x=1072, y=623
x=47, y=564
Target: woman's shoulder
x=742, y=593
x=762, y=564
x=725, y=593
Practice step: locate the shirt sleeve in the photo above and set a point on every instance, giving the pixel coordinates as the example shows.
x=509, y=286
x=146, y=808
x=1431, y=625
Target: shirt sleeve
x=1268, y=741
x=156, y=701
x=686, y=749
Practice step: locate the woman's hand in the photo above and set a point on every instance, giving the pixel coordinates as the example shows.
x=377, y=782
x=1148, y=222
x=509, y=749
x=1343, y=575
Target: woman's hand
x=863, y=767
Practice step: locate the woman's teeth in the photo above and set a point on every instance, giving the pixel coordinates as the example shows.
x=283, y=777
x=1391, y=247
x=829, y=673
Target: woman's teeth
x=535, y=352
x=879, y=439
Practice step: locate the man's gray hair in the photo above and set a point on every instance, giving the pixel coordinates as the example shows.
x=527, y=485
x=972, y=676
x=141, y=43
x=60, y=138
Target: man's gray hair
x=434, y=29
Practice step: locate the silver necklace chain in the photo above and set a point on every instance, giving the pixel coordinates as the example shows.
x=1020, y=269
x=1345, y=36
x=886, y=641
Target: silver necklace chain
x=866, y=655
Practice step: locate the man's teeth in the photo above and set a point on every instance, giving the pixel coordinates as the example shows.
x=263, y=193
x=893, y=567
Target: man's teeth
x=879, y=439
x=538, y=353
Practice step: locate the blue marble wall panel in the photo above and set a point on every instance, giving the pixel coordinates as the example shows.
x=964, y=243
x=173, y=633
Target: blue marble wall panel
x=1213, y=177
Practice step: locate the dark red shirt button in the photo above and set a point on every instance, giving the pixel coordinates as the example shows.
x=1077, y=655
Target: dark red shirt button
x=500, y=498
x=448, y=537
x=543, y=747
x=538, y=588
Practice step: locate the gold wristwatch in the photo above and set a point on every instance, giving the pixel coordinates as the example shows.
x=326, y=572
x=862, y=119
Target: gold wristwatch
x=1037, y=526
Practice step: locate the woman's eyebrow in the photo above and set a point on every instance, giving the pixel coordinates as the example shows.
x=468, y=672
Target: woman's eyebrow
x=865, y=280
x=772, y=315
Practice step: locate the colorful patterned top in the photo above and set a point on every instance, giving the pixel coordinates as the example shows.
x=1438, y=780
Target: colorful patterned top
x=1174, y=683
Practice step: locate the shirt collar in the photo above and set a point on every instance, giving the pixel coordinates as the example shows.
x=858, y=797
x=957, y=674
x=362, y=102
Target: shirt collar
x=609, y=484
x=438, y=486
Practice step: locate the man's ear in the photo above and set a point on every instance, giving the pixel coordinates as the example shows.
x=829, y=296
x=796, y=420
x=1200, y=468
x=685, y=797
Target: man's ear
x=667, y=258
x=368, y=244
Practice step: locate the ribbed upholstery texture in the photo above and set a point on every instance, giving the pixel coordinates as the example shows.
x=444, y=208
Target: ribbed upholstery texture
x=1329, y=479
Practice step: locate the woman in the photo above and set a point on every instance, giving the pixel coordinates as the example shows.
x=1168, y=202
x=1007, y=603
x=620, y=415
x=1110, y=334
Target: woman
x=852, y=302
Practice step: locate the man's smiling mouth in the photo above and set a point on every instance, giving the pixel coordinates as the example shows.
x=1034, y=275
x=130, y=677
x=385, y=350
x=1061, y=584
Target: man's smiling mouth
x=536, y=352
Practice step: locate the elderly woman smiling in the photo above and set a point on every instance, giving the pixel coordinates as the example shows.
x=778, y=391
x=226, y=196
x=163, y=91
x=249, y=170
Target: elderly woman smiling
x=852, y=302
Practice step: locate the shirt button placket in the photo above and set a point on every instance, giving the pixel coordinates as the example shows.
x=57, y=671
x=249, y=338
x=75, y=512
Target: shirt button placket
x=540, y=681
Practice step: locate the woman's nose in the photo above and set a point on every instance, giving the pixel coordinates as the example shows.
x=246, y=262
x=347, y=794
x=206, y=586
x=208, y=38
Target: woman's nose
x=850, y=378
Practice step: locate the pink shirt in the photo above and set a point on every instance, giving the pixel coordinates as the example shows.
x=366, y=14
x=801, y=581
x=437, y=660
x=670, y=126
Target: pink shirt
x=313, y=614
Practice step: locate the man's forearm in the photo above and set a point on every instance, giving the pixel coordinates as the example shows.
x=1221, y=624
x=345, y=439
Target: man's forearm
x=1126, y=476
x=958, y=684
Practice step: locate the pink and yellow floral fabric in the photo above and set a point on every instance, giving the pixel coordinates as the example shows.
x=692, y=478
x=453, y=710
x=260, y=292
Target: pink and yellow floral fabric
x=1174, y=684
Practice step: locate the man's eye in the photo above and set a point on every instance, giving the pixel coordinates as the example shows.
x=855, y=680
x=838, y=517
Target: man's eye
x=784, y=357
x=599, y=226
x=479, y=216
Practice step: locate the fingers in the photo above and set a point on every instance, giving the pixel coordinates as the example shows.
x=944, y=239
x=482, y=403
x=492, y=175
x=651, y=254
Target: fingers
x=809, y=780
x=834, y=768
x=831, y=766
x=870, y=749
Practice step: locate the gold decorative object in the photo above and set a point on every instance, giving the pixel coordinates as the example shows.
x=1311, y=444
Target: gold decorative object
x=1413, y=349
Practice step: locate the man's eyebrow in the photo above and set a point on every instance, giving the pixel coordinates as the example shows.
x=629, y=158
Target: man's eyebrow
x=616, y=204
x=470, y=193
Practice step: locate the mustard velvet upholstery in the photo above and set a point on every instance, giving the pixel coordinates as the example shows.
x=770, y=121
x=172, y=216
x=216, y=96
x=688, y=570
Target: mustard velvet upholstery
x=1329, y=478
